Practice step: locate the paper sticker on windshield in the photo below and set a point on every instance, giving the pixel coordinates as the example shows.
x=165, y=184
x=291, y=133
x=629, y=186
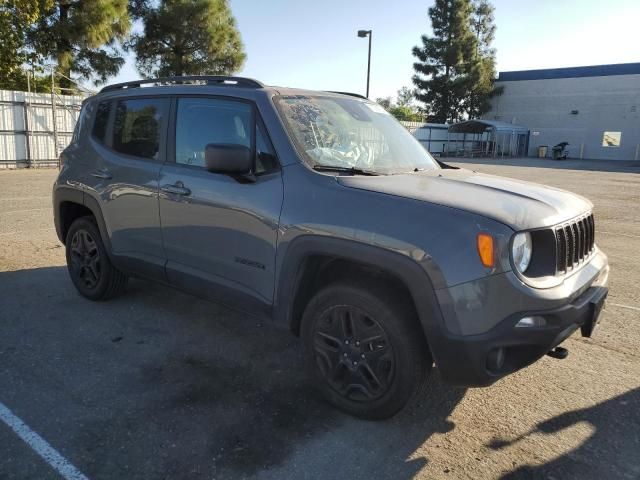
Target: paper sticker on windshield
x=375, y=108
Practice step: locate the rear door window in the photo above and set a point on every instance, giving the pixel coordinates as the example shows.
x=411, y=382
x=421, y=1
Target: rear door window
x=137, y=127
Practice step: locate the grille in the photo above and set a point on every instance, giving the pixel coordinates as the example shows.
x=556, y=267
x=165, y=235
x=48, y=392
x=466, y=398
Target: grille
x=574, y=243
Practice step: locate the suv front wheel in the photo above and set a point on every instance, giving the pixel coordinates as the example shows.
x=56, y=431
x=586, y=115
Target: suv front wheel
x=363, y=349
x=89, y=266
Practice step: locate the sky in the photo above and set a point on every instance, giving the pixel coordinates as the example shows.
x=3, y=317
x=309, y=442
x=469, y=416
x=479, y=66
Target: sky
x=313, y=44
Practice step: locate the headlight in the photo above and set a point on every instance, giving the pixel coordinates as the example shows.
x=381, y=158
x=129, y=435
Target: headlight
x=521, y=251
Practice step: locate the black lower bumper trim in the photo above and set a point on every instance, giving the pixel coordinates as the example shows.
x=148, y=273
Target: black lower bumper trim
x=462, y=360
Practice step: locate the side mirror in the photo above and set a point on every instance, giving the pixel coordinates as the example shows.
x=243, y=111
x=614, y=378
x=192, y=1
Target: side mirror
x=228, y=158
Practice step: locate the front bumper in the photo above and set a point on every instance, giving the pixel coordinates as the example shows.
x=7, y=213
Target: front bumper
x=469, y=360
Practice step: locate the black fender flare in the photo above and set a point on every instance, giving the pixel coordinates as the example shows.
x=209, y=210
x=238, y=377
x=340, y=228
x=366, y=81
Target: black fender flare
x=415, y=278
x=67, y=194
x=93, y=205
x=60, y=195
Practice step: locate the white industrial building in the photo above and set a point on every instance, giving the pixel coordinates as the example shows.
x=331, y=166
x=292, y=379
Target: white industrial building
x=596, y=109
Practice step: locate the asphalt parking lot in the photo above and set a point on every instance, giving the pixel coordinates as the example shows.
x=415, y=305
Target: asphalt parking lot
x=160, y=385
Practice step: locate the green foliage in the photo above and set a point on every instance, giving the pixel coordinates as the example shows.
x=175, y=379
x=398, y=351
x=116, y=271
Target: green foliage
x=405, y=97
x=482, y=70
x=403, y=108
x=406, y=113
x=15, y=17
x=385, y=102
x=455, y=67
x=81, y=36
x=18, y=80
x=440, y=77
x=187, y=37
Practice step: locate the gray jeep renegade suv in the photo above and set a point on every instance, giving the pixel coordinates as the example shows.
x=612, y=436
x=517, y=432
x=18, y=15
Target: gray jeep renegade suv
x=321, y=212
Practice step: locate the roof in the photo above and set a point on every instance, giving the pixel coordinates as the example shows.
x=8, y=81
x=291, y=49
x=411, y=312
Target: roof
x=218, y=80
x=571, y=72
x=434, y=126
x=209, y=84
x=480, y=126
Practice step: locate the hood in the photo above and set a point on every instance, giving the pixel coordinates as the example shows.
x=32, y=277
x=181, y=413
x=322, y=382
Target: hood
x=518, y=204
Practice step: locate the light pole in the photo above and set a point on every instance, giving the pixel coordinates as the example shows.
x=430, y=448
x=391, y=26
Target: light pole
x=363, y=34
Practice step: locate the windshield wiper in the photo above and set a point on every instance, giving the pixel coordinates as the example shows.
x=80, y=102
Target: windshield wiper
x=339, y=168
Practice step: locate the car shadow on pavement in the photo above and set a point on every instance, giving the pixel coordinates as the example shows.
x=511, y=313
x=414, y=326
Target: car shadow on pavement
x=629, y=166
x=159, y=384
x=611, y=451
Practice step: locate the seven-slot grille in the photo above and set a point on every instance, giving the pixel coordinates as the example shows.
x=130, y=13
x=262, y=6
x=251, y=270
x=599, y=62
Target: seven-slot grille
x=574, y=242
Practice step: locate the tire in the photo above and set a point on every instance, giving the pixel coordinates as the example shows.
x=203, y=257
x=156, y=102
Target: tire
x=89, y=266
x=364, y=349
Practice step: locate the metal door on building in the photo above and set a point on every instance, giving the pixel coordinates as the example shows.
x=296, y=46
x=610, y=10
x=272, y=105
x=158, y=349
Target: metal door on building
x=522, y=144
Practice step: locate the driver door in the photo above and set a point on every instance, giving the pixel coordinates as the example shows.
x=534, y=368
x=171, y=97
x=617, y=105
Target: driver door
x=219, y=233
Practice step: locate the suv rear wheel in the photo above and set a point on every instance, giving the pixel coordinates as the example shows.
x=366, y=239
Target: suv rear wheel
x=363, y=349
x=89, y=266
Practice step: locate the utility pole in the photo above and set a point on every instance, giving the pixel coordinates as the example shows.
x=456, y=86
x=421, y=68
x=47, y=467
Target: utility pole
x=363, y=34
x=53, y=113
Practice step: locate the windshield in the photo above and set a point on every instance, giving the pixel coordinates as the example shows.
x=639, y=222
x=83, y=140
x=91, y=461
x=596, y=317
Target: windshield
x=351, y=133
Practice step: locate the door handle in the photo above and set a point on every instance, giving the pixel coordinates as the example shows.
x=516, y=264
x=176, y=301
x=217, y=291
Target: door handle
x=103, y=173
x=177, y=188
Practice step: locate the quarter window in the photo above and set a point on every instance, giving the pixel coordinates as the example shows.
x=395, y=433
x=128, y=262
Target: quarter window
x=265, y=156
x=101, y=118
x=136, y=127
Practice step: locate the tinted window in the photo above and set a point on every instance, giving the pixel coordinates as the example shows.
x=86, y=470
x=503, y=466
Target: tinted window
x=101, y=119
x=203, y=121
x=136, y=127
x=79, y=124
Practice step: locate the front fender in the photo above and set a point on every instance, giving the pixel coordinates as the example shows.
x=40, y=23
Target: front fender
x=414, y=277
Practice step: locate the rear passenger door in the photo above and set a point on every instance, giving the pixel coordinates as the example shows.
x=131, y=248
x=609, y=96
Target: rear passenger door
x=128, y=137
x=220, y=232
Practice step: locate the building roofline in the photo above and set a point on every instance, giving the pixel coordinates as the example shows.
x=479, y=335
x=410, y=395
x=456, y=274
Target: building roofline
x=571, y=72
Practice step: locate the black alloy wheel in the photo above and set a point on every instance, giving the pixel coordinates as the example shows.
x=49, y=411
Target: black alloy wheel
x=354, y=353
x=85, y=258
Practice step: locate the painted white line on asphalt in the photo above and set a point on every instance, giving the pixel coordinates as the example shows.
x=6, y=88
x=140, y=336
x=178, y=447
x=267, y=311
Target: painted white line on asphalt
x=27, y=231
x=40, y=446
x=29, y=197
x=623, y=306
x=620, y=234
x=27, y=210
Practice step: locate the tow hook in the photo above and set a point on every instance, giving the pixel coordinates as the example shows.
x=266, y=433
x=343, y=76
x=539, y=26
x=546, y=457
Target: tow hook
x=559, y=352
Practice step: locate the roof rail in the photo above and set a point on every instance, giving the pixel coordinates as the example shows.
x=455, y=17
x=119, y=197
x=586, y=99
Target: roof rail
x=351, y=94
x=196, y=79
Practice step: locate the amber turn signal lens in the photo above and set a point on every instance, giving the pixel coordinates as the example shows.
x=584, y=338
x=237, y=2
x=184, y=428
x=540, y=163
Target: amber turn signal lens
x=485, y=249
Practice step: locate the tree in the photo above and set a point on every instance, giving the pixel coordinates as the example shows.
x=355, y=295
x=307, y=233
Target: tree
x=187, y=37
x=81, y=37
x=443, y=60
x=405, y=113
x=405, y=97
x=15, y=18
x=482, y=70
x=385, y=102
x=403, y=108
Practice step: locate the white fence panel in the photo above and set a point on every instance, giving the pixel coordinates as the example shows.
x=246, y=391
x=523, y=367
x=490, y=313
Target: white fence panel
x=38, y=127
